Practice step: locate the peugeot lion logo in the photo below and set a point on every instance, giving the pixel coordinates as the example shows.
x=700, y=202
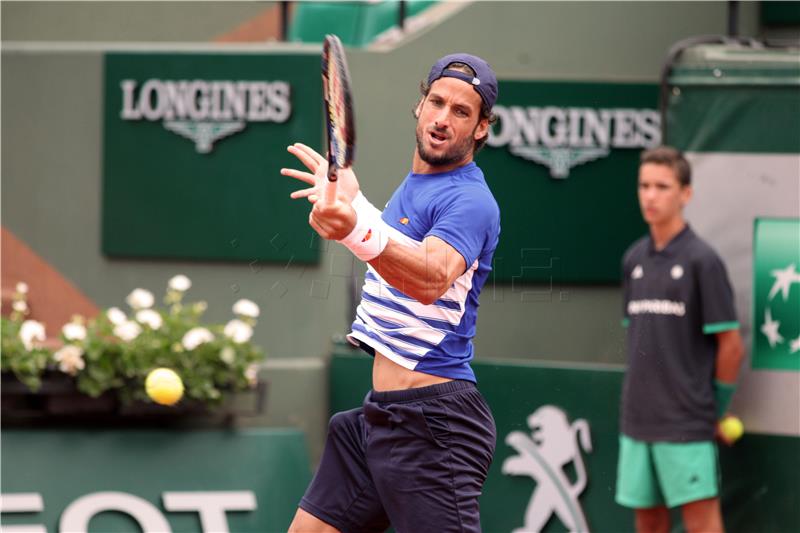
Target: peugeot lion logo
x=552, y=444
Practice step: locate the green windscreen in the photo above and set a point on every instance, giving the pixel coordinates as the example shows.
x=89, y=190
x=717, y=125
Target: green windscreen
x=562, y=162
x=192, y=150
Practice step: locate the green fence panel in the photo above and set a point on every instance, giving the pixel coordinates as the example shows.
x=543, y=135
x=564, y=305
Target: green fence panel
x=776, y=294
x=70, y=466
x=761, y=491
x=562, y=162
x=739, y=99
x=193, y=147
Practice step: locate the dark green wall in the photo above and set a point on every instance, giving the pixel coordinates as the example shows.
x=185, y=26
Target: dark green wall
x=64, y=465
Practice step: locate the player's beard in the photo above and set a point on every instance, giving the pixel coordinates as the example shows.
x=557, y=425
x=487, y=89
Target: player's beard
x=457, y=152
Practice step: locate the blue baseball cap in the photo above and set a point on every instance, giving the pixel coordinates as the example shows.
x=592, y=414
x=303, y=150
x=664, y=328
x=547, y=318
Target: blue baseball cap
x=484, y=82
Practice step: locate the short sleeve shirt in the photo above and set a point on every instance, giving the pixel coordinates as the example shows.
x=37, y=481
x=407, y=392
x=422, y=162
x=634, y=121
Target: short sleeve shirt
x=675, y=301
x=458, y=208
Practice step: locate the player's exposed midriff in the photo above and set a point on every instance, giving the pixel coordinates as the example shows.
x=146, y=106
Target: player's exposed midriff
x=388, y=375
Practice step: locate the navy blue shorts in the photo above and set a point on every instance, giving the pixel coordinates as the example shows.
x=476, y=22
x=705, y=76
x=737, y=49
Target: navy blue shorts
x=414, y=459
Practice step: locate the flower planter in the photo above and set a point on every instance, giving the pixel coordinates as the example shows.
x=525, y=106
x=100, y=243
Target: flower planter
x=121, y=350
x=59, y=401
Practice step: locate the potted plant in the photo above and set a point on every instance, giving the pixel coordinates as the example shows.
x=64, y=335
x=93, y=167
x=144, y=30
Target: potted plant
x=108, y=357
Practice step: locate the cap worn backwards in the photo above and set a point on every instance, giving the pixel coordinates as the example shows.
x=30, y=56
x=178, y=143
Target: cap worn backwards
x=484, y=82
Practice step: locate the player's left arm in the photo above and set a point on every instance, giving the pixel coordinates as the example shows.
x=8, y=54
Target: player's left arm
x=730, y=351
x=719, y=319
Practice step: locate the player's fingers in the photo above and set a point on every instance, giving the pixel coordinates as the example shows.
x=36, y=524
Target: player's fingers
x=310, y=152
x=318, y=227
x=308, y=161
x=299, y=175
x=303, y=193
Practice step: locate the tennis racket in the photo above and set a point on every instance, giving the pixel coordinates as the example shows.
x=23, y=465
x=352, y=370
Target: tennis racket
x=339, y=118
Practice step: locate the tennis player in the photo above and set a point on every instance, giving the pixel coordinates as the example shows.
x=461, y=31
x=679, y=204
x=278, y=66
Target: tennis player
x=416, y=454
x=684, y=352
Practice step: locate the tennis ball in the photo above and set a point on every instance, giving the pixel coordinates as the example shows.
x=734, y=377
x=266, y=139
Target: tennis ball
x=731, y=428
x=164, y=386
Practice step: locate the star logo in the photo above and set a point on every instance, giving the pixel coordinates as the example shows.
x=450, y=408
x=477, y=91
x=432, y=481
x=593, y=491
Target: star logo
x=676, y=272
x=795, y=345
x=770, y=329
x=638, y=272
x=776, y=328
x=784, y=279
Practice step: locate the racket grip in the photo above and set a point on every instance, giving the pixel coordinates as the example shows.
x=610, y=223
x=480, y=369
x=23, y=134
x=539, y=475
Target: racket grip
x=329, y=195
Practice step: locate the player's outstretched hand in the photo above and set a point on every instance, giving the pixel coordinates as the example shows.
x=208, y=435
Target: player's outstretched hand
x=333, y=221
x=316, y=177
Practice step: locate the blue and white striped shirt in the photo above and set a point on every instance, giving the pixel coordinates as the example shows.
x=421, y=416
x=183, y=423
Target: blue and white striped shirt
x=459, y=208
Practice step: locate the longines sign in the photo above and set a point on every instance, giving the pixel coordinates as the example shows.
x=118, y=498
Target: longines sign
x=206, y=111
x=562, y=161
x=193, y=146
x=563, y=137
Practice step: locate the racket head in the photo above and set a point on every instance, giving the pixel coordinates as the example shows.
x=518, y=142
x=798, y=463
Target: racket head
x=338, y=98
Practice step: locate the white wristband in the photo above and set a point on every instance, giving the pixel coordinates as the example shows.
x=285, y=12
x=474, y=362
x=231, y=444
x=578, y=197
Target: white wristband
x=370, y=236
x=360, y=202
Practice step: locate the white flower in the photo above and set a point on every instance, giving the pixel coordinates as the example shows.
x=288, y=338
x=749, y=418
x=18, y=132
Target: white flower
x=228, y=355
x=116, y=316
x=30, y=331
x=150, y=318
x=22, y=287
x=20, y=306
x=238, y=331
x=251, y=373
x=179, y=283
x=246, y=308
x=140, y=299
x=74, y=332
x=195, y=337
x=70, y=359
x=128, y=330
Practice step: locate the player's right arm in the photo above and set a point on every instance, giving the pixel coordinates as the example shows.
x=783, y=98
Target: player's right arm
x=464, y=220
x=424, y=273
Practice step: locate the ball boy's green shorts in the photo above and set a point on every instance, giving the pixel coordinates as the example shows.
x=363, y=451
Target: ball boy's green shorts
x=650, y=474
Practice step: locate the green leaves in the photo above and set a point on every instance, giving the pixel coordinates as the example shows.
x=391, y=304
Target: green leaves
x=27, y=365
x=118, y=350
